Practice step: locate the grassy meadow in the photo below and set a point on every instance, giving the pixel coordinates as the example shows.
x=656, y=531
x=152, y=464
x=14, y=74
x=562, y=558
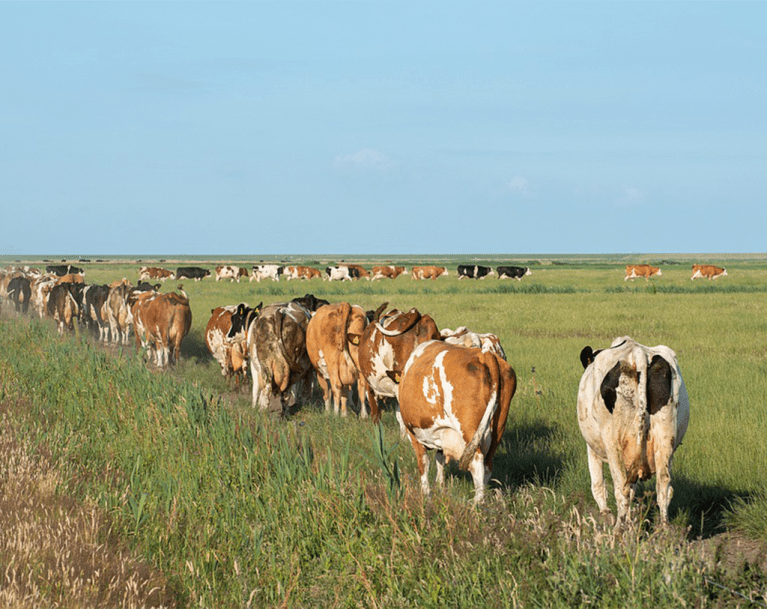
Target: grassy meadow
x=217, y=505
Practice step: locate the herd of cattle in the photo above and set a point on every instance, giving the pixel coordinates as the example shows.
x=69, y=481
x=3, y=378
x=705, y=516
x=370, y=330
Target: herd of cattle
x=452, y=388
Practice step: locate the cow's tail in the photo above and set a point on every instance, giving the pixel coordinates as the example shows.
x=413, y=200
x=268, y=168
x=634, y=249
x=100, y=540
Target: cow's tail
x=490, y=362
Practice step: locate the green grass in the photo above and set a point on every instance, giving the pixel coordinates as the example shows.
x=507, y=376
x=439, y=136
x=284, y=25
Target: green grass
x=237, y=508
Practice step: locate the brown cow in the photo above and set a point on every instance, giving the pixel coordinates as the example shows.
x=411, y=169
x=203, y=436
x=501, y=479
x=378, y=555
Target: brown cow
x=387, y=272
x=160, y=323
x=332, y=342
x=301, y=272
x=71, y=278
x=428, y=272
x=153, y=272
x=386, y=344
x=63, y=304
x=455, y=400
x=641, y=270
x=709, y=271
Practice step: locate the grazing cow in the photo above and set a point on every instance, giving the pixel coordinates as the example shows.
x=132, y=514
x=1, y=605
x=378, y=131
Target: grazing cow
x=709, y=271
x=266, y=271
x=276, y=341
x=332, y=342
x=192, y=272
x=94, y=310
x=160, y=323
x=428, y=272
x=641, y=270
x=63, y=269
x=633, y=412
x=341, y=273
x=385, y=345
x=513, y=272
x=20, y=293
x=387, y=272
x=466, y=338
x=301, y=272
x=455, y=400
x=153, y=272
x=230, y=353
x=64, y=303
x=474, y=272
x=230, y=272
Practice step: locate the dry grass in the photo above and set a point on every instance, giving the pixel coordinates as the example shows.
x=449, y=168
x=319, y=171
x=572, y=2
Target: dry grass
x=54, y=551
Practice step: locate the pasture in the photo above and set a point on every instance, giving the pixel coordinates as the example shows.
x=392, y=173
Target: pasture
x=239, y=509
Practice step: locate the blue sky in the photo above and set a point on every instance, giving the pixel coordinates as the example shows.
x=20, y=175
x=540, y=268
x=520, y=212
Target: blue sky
x=382, y=127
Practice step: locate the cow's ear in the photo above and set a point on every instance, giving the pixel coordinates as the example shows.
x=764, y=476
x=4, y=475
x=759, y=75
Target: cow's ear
x=354, y=339
x=241, y=309
x=394, y=375
x=587, y=356
x=258, y=307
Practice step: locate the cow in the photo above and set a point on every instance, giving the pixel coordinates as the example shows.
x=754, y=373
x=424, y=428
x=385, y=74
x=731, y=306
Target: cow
x=230, y=272
x=230, y=353
x=276, y=347
x=19, y=291
x=387, y=272
x=513, y=272
x=63, y=269
x=341, y=273
x=301, y=272
x=93, y=313
x=709, y=271
x=386, y=344
x=428, y=272
x=160, y=323
x=332, y=343
x=465, y=337
x=71, y=278
x=641, y=270
x=153, y=272
x=118, y=311
x=633, y=411
x=474, y=271
x=192, y=272
x=455, y=400
x=64, y=303
x=266, y=271
x=41, y=287
x=359, y=271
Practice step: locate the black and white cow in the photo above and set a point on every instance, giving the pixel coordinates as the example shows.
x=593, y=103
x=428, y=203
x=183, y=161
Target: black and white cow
x=633, y=412
x=341, y=273
x=266, y=271
x=63, y=269
x=474, y=272
x=513, y=272
x=192, y=272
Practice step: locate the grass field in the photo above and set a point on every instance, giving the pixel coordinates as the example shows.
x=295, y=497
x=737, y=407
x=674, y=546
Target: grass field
x=227, y=508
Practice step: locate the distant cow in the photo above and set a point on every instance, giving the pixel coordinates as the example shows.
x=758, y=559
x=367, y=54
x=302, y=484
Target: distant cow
x=633, y=412
x=301, y=272
x=386, y=344
x=192, y=272
x=71, y=278
x=63, y=269
x=160, y=323
x=466, y=338
x=266, y=271
x=708, y=271
x=387, y=272
x=152, y=272
x=641, y=270
x=474, y=271
x=231, y=272
x=93, y=313
x=64, y=303
x=455, y=400
x=428, y=272
x=513, y=272
x=19, y=291
x=341, y=273
x=332, y=342
x=359, y=271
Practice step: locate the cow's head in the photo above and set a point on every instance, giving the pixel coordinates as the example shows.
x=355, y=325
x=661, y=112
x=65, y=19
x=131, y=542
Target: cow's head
x=242, y=318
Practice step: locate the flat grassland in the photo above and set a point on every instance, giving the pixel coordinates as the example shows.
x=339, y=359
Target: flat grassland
x=227, y=507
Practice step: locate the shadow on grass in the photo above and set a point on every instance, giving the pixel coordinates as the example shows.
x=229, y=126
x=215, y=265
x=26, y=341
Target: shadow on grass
x=704, y=506
x=525, y=456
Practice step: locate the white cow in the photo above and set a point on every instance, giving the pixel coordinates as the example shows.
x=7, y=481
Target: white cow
x=633, y=412
x=266, y=271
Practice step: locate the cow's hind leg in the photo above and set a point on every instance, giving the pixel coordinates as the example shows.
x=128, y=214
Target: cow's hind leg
x=664, y=490
x=477, y=470
x=598, y=489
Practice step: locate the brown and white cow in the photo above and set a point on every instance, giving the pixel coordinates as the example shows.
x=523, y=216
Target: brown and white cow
x=709, y=271
x=230, y=272
x=301, y=272
x=64, y=301
x=455, y=400
x=359, y=271
x=466, y=338
x=230, y=352
x=641, y=270
x=71, y=278
x=428, y=272
x=332, y=342
x=153, y=272
x=386, y=272
x=160, y=323
x=633, y=412
x=385, y=345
